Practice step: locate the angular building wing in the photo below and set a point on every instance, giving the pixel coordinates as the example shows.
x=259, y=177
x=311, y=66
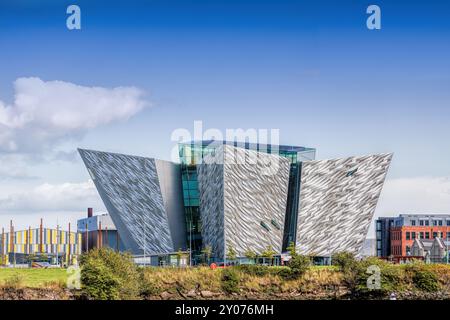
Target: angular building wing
x=143, y=197
x=337, y=202
x=243, y=197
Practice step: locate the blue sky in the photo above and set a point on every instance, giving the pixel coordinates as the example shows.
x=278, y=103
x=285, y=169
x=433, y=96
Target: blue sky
x=310, y=68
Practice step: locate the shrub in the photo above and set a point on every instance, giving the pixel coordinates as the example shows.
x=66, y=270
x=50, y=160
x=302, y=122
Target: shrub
x=99, y=283
x=297, y=267
x=147, y=287
x=284, y=273
x=15, y=281
x=253, y=269
x=391, y=277
x=344, y=260
x=230, y=280
x=299, y=264
x=106, y=274
x=425, y=280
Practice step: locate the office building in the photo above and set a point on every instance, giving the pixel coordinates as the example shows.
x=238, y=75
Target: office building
x=396, y=235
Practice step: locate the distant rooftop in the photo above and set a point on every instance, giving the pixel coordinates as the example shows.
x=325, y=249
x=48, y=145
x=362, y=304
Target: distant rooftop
x=425, y=215
x=247, y=145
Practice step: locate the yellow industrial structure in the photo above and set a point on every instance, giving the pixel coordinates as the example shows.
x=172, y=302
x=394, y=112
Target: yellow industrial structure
x=65, y=246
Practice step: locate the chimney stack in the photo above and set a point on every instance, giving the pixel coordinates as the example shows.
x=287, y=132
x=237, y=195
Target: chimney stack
x=90, y=212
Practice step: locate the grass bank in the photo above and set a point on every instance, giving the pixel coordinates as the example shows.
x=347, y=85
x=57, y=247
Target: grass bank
x=33, y=278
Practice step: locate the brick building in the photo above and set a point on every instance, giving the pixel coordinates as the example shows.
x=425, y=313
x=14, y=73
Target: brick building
x=395, y=236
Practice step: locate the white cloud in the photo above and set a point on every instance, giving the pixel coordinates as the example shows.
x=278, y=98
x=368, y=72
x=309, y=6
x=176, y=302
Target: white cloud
x=13, y=167
x=65, y=197
x=45, y=113
x=413, y=195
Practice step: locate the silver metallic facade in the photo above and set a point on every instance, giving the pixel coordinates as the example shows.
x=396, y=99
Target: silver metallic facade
x=243, y=197
x=337, y=202
x=246, y=200
x=143, y=197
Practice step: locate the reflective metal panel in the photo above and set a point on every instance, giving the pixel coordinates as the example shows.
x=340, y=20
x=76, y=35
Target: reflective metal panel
x=337, y=202
x=244, y=193
x=134, y=197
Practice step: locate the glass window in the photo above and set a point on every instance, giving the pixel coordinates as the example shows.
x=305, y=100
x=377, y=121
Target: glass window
x=435, y=234
x=427, y=222
x=413, y=235
x=193, y=193
x=378, y=225
x=413, y=222
x=421, y=235
x=421, y=222
x=448, y=235
x=408, y=236
x=427, y=235
x=192, y=184
x=440, y=222
x=448, y=222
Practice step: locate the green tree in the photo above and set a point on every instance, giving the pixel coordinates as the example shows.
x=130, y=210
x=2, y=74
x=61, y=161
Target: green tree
x=299, y=264
x=291, y=249
x=251, y=255
x=269, y=254
x=180, y=255
x=207, y=252
x=231, y=254
x=43, y=257
x=32, y=257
